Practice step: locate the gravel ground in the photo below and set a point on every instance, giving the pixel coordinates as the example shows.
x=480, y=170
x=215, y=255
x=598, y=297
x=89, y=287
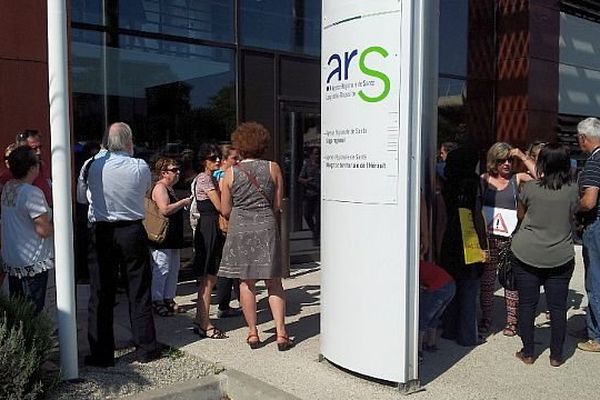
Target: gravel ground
x=128, y=377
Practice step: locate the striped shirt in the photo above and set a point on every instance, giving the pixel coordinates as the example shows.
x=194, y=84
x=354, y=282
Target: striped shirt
x=590, y=177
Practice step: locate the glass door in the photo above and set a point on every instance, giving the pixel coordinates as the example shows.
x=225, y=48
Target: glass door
x=299, y=149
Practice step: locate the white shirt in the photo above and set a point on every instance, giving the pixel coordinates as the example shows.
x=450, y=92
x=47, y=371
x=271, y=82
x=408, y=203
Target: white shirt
x=82, y=185
x=117, y=184
x=24, y=252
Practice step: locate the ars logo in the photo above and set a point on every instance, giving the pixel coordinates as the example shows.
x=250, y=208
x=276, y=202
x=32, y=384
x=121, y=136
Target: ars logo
x=341, y=66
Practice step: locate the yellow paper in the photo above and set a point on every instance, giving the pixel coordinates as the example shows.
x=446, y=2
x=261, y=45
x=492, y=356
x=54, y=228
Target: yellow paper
x=472, y=250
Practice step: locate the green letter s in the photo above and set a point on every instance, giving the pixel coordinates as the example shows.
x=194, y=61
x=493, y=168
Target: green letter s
x=377, y=74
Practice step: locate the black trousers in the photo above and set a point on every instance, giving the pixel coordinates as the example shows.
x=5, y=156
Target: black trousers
x=556, y=286
x=224, y=286
x=120, y=244
x=312, y=215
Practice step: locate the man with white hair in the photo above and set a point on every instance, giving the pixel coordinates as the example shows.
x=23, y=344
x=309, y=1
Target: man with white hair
x=117, y=184
x=588, y=135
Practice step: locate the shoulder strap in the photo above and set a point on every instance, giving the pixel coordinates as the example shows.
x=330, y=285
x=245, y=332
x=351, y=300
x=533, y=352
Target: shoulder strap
x=253, y=181
x=86, y=170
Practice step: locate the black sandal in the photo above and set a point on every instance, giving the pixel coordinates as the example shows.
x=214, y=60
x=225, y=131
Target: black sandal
x=161, y=309
x=216, y=333
x=253, y=341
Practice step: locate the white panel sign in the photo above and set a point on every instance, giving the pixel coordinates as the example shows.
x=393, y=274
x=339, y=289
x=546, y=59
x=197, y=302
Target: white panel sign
x=360, y=101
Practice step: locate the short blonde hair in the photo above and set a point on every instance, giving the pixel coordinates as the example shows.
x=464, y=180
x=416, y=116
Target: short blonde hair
x=498, y=151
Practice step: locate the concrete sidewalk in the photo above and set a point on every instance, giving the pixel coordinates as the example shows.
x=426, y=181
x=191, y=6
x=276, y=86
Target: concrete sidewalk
x=489, y=371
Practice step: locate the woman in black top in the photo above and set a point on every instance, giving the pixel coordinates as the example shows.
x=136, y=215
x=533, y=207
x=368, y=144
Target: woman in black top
x=166, y=255
x=462, y=191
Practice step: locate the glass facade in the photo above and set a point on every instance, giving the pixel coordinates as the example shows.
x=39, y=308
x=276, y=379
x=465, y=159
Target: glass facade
x=452, y=84
x=170, y=68
x=288, y=25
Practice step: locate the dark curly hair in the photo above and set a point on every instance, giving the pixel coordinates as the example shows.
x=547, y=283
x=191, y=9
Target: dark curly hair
x=251, y=139
x=206, y=151
x=162, y=164
x=21, y=160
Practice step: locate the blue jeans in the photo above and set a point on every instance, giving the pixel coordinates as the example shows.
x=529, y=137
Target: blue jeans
x=32, y=288
x=591, y=258
x=433, y=304
x=460, y=318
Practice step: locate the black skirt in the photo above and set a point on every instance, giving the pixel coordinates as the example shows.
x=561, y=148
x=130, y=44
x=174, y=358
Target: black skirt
x=208, y=244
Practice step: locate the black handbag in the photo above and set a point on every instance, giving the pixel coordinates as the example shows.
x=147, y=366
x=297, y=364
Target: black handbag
x=506, y=273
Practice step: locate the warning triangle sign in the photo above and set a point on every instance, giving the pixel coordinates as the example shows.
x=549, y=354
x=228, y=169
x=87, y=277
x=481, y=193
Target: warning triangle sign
x=497, y=225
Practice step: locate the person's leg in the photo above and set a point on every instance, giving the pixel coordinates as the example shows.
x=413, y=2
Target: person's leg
x=591, y=240
x=467, y=332
x=308, y=211
x=34, y=290
x=103, y=286
x=160, y=269
x=248, y=303
x=488, y=285
x=174, y=257
x=556, y=287
x=224, y=292
x=511, y=301
x=135, y=255
x=203, y=308
x=528, y=284
x=15, y=287
x=277, y=305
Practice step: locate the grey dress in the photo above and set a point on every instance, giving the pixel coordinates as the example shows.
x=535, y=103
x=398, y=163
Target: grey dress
x=252, y=248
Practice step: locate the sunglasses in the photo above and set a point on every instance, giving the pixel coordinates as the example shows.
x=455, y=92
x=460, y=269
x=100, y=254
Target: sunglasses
x=503, y=160
x=26, y=134
x=213, y=158
x=174, y=170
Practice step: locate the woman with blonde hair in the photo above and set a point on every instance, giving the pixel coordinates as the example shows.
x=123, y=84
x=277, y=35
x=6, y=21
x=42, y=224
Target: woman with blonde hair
x=251, y=199
x=499, y=192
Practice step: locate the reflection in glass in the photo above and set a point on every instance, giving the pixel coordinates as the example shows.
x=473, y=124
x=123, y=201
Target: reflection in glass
x=454, y=21
x=207, y=19
x=289, y=25
x=452, y=94
x=88, y=11
x=174, y=95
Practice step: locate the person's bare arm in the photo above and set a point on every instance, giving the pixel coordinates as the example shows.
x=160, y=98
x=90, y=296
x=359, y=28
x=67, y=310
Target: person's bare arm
x=161, y=196
x=589, y=199
x=43, y=226
x=226, y=193
x=213, y=195
x=527, y=161
x=278, y=180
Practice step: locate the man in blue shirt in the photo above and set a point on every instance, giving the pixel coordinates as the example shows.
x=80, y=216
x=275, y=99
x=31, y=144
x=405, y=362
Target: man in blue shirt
x=588, y=135
x=117, y=184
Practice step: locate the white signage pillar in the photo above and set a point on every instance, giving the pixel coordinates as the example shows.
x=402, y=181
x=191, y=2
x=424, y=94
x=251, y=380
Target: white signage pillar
x=374, y=56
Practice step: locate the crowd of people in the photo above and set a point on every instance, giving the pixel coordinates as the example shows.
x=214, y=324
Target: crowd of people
x=525, y=207
x=525, y=210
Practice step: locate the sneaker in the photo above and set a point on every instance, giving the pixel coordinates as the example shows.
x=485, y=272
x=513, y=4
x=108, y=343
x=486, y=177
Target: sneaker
x=590, y=345
x=579, y=333
x=230, y=312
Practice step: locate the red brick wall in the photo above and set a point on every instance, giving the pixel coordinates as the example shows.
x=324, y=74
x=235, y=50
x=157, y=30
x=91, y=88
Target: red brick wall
x=23, y=71
x=527, y=70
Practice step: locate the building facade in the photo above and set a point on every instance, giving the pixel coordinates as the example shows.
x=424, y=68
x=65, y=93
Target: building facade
x=184, y=72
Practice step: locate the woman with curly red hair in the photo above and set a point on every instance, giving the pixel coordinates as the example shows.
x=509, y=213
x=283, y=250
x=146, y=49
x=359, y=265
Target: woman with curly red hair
x=251, y=198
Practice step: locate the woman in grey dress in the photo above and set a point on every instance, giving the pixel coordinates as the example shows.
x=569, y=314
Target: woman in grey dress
x=251, y=199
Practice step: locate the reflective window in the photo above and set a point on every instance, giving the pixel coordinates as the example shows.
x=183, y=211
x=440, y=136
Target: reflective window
x=289, y=25
x=87, y=84
x=89, y=11
x=174, y=95
x=454, y=22
x=207, y=19
x=452, y=95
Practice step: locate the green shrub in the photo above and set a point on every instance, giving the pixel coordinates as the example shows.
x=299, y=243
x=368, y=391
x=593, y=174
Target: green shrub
x=25, y=343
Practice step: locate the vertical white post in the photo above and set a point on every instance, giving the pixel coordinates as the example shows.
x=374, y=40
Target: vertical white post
x=60, y=138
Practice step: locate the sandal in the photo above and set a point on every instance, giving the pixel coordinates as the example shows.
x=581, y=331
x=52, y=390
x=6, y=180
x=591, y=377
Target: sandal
x=216, y=333
x=172, y=306
x=286, y=344
x=253, y=341
x=161, y=309
x=510, y=330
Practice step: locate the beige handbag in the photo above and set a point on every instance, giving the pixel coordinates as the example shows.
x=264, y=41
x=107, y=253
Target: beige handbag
x=156, y=224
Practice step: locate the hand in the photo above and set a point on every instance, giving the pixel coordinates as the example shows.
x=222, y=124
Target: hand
x=187, y=202
x=516, y=152
x=486, y=255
